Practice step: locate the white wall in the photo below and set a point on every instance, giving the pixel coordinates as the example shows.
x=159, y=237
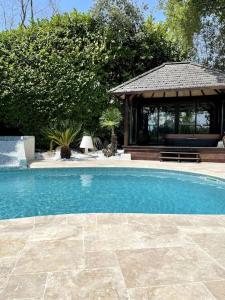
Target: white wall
x=29, y=145
x=16, y=151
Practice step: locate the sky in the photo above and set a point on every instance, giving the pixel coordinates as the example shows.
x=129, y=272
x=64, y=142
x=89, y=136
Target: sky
x=84, y=5
x=10, y=9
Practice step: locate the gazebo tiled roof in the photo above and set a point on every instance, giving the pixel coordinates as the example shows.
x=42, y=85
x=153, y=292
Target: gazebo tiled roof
x=174, y=76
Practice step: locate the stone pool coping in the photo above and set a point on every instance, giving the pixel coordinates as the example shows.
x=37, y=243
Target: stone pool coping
x=113, y=256
x=210, y=169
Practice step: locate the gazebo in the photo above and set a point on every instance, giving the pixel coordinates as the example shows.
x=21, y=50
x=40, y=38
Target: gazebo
x=174, y=112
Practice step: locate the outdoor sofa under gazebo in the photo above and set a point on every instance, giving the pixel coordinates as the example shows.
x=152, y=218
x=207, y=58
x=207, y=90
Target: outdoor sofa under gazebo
x=174, y=108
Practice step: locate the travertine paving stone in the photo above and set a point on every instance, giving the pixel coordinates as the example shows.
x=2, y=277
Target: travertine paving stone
x=107, y=284
x=202, y=229
x=21, y=224
x=148, y=219
x=196, y=291
x=132, y=236
x=25, y=287
x=11, y=246
x=50, y=220
x=203, y=220
x=100, y=259
x=87, y=221
x=6, y=266
x=213, y=244
x=47, y=256
x=108, y=219
x=165, y=266
x=55, y=232
x=3, y=282
x=217, y=288
x=109, y=256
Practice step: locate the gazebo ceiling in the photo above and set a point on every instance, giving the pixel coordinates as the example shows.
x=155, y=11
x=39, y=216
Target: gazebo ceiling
x=183, y=79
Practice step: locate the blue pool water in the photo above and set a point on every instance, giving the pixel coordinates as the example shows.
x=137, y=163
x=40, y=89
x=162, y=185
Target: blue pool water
x=29, y=192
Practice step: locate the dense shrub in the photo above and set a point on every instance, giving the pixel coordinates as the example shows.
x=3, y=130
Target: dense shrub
x=62, y=69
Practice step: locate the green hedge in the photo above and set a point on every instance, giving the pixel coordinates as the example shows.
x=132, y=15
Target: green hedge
x=62, y=69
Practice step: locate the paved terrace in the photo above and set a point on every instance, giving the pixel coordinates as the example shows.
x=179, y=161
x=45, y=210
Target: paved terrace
x=115, y=256
x=109, y=257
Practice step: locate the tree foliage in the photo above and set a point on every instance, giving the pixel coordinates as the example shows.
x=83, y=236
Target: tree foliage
x=62, y=68
x=200, y=25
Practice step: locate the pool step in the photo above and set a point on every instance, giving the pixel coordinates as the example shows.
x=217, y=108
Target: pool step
x=180, y=156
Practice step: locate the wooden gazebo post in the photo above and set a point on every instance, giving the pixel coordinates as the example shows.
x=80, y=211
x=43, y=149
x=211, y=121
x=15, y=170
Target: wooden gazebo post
x=126, y=122
x=222, y=117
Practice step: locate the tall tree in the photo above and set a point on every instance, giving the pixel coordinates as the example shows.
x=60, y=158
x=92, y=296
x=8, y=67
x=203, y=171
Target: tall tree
x=54, y=7
x=132, y=44
x=200, y=25
x=22, y=12
x=32, y=10
x=121, y=15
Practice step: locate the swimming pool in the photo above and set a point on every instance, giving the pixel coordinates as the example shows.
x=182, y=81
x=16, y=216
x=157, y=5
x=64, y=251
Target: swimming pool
x=35, y=192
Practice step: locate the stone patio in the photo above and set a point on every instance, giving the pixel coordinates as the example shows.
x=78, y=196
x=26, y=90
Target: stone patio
x=113, y=256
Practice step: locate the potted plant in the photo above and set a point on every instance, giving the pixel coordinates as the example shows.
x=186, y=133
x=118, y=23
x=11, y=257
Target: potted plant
x=63, y=135
x=111, y=119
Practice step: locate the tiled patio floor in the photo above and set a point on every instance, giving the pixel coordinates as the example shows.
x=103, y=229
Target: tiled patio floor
x=109, y=257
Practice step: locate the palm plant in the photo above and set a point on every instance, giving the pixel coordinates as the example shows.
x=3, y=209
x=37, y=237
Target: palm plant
x=111, y=119
x=63, y=135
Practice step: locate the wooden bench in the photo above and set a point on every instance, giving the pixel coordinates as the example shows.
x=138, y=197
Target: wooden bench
x=180, y=156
